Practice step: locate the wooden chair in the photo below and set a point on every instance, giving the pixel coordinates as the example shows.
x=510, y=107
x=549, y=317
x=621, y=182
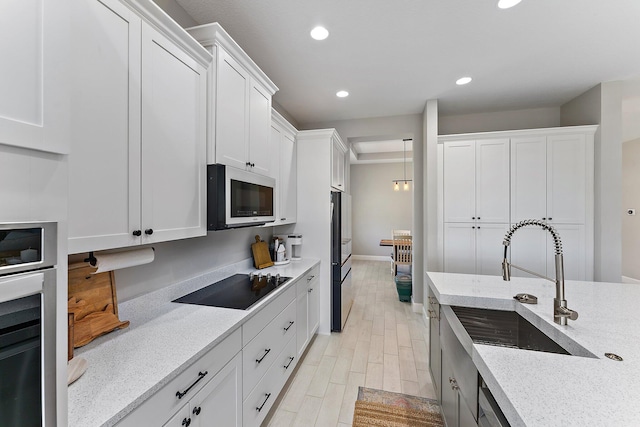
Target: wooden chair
x=402, y=253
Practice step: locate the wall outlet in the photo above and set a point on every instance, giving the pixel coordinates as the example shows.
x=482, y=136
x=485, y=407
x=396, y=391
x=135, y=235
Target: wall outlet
x=631, y=211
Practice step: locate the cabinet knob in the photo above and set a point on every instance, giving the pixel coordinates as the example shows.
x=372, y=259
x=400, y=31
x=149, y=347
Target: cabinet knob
x=248, y=164
x=137, y=233
x=310, y=289
x=186, y=422
x=544, y=219
x=148, y=231
x=478, y=218
x=473, y=217
x=283, y=219
x=549, y=218
x=196, y=410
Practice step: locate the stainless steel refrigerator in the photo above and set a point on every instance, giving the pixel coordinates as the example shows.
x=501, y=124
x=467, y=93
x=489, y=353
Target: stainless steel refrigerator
x=341, y=286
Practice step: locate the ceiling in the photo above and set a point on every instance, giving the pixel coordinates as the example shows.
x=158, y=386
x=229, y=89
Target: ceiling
x=392, y=56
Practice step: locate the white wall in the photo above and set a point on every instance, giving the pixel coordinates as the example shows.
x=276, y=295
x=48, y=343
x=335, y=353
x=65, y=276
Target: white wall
x=184, y=259
x=499, y=120
x=603, y=105
x=376, y=207
x=631, y=200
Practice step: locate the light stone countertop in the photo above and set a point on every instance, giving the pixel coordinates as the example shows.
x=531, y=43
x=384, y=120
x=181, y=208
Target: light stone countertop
x=128, y=366
x=546, y=389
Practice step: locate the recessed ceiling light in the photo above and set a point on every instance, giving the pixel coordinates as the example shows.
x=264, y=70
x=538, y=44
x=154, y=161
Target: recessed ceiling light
x=319, y=33
x=506, y=4
x=463, y=81
x=342, y=94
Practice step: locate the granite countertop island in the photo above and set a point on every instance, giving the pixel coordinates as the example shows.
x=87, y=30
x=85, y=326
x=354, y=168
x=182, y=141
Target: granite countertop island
x=546, y=389
x=128, y=366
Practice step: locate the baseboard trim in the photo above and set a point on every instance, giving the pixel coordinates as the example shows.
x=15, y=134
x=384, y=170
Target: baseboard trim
x=371, y=258
x=631, y=280
x=417, y=307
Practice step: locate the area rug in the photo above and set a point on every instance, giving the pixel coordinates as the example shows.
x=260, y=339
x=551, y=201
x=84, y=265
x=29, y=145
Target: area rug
x=388, y=409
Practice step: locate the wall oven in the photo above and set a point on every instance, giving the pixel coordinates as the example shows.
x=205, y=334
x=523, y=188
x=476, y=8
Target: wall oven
x=237, y=198
x=28, y=255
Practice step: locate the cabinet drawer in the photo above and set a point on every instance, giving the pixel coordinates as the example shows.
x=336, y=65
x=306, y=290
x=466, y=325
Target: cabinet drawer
x=302, y=285
x=266, y=392
x=260, y=353
x=254, y=325
x=162, y=405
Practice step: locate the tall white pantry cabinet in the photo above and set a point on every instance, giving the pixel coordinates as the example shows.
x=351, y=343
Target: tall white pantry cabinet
x=490, y=181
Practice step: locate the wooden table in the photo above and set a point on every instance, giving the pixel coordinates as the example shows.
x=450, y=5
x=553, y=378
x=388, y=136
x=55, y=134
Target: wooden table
x=389, y=242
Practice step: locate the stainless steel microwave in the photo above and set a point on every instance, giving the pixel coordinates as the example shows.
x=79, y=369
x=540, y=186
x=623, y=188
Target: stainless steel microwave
x=237, y=198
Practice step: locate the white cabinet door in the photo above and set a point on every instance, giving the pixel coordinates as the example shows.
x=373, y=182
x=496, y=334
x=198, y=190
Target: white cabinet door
x=288, y=179
x=261, y=150
x=181, y=418
x=459, y=181
x=232, y=121
x=220, y=401
x=34, y=74
x=173, y=141
x=491, y=180
x=104, y=163
x=302, y=311
x=566, y=179
x=337, y=167
x=314, y=306
x=489, y=248
x=528, y=178
x=459, y=248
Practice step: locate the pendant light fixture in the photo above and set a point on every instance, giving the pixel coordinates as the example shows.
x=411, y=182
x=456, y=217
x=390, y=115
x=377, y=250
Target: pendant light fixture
x=396, y=182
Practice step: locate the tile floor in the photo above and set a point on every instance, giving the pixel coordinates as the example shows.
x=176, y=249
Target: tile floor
x=383, y=346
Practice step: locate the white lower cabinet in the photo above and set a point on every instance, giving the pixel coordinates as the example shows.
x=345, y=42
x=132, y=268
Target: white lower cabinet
x=308, y=308
x=260, y=400
x=216, y=375
x=218, y=403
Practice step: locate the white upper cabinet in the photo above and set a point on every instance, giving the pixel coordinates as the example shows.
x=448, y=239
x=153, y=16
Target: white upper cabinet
x=138, y=142
x=173, y=141
x=231, y=121
x=34, y=74
x=551, y=175
x=283, y=141
x=338, y=152
x=240, y=104
x=476, y=181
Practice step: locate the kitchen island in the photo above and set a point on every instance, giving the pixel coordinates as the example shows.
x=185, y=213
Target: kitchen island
x=127, y=367
x=535, y=388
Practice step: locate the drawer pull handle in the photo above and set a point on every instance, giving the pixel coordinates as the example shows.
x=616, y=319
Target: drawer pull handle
x=288, y=327
x=266, y=351
x=201, y=375
x=310, y=278
x=186, y=422
x=289, y=364
x=259, y=408
x=196, y=410
x=137, y=233
x=310, y=290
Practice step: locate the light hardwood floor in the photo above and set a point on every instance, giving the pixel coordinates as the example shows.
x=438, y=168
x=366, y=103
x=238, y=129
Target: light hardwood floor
x=383, y=346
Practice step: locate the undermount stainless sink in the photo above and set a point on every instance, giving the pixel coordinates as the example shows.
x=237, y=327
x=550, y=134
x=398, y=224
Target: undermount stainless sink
x=504, y=328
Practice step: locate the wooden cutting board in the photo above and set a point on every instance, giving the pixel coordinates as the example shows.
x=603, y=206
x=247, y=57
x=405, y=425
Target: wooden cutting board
x=93, y=303
x=261, y=257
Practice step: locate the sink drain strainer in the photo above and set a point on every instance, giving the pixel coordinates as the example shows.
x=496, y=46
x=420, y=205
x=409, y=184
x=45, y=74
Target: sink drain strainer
x=614, y=357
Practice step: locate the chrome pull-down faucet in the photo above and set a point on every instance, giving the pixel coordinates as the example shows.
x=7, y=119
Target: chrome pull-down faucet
x=560, y=311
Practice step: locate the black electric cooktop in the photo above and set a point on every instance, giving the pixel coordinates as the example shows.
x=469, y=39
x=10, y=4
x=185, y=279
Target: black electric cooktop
x=239, y=291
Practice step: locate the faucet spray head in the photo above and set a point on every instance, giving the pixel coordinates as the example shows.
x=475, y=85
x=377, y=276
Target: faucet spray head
x=506, y=270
